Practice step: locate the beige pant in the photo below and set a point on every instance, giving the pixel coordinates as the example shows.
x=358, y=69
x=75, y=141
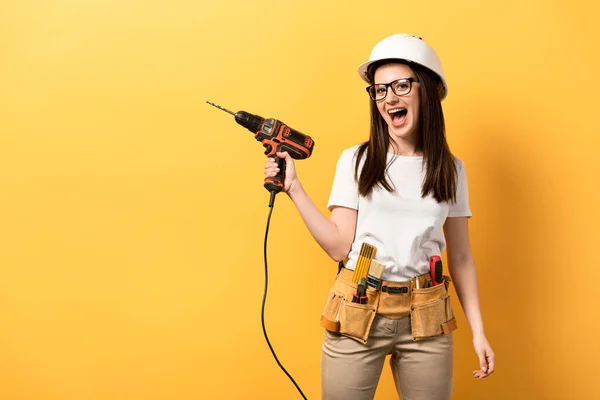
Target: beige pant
x=422, y=370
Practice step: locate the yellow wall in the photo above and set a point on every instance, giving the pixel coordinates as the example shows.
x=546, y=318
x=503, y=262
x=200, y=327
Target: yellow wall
x=132, y=214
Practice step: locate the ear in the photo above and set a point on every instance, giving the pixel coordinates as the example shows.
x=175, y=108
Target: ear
x=441, y=90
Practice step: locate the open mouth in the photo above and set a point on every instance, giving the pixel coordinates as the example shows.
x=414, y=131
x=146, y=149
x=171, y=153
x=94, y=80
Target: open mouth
x=398, y=116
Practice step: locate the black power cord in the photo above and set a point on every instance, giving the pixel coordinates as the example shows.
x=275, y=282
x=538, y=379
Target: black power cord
x=262, y=313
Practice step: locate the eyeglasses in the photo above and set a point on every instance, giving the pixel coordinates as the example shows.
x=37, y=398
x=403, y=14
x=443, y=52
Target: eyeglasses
x=401, y=87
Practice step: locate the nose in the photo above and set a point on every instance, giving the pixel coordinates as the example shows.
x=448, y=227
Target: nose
x=390, y=96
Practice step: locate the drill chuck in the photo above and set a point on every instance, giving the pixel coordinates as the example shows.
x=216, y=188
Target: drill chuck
x=249, y=121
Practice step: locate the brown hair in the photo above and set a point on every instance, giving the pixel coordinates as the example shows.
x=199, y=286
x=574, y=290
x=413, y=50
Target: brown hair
x=440, y=170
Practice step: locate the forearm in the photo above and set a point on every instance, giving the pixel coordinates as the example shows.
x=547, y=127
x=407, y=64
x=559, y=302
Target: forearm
x=464, y=276
x=325, y=232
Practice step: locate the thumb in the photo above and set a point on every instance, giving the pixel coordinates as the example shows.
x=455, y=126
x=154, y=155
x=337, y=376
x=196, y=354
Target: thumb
x=482, y=361
x=283, y=154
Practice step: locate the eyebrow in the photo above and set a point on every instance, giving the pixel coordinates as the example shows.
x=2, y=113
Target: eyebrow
x=394, y=80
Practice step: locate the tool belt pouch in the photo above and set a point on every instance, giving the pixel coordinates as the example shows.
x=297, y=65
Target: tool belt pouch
x=431, y=312
x=342, y=316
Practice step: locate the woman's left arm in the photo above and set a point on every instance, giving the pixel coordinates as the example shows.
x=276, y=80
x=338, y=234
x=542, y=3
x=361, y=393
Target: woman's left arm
x=463, y=274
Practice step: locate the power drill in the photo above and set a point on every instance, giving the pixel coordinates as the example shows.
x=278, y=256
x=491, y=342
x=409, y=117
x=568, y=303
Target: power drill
x=275, y=136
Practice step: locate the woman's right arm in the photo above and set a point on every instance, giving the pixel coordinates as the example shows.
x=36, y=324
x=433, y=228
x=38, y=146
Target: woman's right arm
x=336, y=234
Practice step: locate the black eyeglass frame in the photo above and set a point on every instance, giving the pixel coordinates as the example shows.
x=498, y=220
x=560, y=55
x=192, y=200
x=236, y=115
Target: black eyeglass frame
x=389, y=85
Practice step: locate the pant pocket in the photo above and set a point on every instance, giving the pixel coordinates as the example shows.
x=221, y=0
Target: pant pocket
x=356, y=320
x=434, y=318
x=331, y=311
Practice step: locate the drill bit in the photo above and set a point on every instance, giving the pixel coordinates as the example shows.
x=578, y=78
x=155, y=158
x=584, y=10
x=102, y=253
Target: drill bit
x=247, y=120
x=220, y=108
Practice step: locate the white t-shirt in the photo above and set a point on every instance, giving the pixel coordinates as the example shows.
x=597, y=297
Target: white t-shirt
x=405, y=228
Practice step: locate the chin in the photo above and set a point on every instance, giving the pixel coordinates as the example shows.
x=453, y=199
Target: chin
x=401, y=133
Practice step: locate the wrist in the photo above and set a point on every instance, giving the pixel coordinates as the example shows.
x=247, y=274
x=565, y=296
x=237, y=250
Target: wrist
x=478, y=333
x=295, y=189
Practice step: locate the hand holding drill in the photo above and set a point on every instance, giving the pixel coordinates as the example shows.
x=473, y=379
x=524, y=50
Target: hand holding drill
x=272, y=169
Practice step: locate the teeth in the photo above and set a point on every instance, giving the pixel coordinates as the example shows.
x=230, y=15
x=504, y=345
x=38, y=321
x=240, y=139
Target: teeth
x=396, y=110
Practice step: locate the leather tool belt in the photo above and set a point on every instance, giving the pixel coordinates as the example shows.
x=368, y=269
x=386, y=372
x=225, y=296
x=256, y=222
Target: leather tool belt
x=429, y=308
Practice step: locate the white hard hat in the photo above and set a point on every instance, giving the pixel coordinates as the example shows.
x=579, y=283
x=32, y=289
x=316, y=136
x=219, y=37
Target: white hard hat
x=405, y=47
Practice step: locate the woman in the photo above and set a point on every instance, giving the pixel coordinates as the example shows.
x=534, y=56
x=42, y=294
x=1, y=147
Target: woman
x=404, y=195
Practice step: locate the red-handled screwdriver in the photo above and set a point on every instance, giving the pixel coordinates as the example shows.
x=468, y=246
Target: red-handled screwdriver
x=435, y=269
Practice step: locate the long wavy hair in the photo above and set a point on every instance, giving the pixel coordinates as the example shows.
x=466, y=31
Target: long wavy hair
x=440, y=171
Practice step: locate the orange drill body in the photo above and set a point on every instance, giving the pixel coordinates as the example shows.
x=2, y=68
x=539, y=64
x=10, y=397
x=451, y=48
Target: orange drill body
x=276, y=136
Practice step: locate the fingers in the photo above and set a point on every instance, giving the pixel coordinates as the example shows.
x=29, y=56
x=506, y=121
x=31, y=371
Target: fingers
x=487, y=366
x=482, y=360
x=483, y=363
x=491, y=360
x=271, y=168
x=270, y=162
x=479, y=374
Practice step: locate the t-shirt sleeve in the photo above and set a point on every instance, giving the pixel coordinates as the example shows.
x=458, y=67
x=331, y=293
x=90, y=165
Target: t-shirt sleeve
x=461, y=208
x=344, y=191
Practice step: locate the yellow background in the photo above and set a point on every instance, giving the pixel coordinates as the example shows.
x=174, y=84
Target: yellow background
x=132, y=214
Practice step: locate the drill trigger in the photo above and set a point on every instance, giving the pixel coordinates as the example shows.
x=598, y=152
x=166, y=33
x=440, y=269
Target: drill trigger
x=268, y=148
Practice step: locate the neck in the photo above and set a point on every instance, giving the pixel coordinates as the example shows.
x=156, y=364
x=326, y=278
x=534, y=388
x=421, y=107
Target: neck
x=405, y=147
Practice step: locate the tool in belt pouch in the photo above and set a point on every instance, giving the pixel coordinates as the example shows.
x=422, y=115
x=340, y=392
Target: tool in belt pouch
x=431, y=312
x=352, y=303
x=350, y=310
